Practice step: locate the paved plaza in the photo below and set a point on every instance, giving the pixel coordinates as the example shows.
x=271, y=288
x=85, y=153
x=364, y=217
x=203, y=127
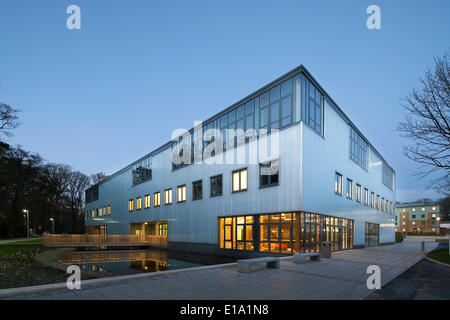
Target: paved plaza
x=342, y=277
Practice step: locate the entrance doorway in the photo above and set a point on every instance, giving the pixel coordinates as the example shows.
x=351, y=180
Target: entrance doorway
x=150, y=228
x=372, y=234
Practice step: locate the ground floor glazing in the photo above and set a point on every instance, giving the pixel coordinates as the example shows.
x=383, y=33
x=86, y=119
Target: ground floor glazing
x=285, y=232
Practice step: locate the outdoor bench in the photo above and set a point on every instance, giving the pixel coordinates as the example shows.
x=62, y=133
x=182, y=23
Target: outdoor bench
x=303, y=257
x=245, y=265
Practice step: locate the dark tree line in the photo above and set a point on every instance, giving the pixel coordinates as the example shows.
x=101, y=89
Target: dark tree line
x=46, y=190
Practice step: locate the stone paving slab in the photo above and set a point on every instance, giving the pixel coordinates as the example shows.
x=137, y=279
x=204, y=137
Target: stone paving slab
x=342, y=277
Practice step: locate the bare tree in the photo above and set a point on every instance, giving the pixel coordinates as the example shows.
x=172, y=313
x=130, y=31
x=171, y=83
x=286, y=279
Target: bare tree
x=8, y=119
x=426, y=124
x=77, y=184
x=97, y=177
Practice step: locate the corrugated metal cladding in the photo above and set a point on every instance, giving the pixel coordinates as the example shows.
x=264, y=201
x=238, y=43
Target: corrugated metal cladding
x=308, y=163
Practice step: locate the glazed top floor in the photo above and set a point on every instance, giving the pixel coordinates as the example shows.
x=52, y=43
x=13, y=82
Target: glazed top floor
x=293, y=97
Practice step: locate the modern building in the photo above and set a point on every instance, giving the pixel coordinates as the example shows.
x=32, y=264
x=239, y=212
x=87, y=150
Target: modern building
x=314, y=177
x=417, y=217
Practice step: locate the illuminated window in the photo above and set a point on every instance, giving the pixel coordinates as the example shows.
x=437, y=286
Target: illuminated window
x=138, y=203
x=100, y=212
x=423, y=209
x=413, y=209
x=147, y=201
x=157, y=199
x=181, y=193
x=163, y=229
x=130, y=205
x=93, y=213
x=338, y=183
x=358, y=192
x=434, y=208
x=239, y=180
x=168, y=196
x=109, y=210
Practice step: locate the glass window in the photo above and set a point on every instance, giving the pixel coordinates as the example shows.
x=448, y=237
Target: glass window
x=239, y=178
x=264, y=99
x=167, y=196
x=358, y=192
x=312, y=105
x=250, y=107
x=147, y=201
x=231, y=116
x=157, y=199
x=138, y=203
x=249, y=122
x=387, y=176
x=372, y=200
x=275, y=94
x=275, y=116
x=240, y=112
x=109, y=210
x=286, y=88
x=358, y=149
x=349, y=191
x=141, y=171
x=269, y=173
x=338, y=183
x=286, y=111
x=197, y=190
x=216, y=186
x=264, y=118
x=366, y=196
x=130, y=205
x=181, y=193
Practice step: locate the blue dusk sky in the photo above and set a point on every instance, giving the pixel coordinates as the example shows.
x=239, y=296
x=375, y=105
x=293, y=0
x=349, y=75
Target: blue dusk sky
x=103, y=96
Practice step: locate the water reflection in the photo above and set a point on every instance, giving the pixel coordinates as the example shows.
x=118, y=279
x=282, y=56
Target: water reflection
x=125, y=262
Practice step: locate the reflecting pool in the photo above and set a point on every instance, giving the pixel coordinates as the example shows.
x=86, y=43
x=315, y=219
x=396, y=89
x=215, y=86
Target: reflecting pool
x=122, y=262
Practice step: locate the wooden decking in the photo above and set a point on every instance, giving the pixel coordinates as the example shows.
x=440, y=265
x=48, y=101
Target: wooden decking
x=85, y=240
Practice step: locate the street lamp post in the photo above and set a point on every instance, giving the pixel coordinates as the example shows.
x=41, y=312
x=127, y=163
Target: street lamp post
x=28, y=222
x=53, y=225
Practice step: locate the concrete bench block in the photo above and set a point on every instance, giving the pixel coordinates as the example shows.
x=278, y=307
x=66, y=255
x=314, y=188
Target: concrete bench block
x=245, y=266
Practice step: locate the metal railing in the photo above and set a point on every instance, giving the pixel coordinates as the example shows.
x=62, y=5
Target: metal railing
x=103, y=240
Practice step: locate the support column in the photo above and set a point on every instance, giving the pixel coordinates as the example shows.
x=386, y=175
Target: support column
x=297, y=231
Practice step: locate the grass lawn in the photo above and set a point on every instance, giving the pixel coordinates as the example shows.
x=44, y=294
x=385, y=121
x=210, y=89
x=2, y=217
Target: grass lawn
x=31, y=241
x=15, y=248
x=440, y=255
